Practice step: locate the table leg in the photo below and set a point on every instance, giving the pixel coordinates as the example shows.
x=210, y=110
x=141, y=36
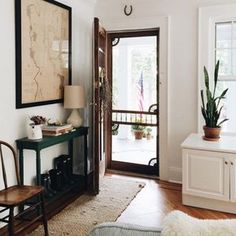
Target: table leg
x=38, y=176
x=70, y=153
x=85, y=162
x=38, y=168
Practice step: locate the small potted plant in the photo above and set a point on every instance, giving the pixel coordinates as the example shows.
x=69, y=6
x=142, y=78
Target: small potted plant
x=35, y=131
x=138, y=131
x=211, y=110
x=115, y=129
x=149, y=133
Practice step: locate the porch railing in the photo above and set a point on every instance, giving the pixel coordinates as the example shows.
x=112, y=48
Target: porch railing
x=126, y=117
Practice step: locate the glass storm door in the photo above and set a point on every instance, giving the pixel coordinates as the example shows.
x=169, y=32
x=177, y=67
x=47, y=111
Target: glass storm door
x=133, y=59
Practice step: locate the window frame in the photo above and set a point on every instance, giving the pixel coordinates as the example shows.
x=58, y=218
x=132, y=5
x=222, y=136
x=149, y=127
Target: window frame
x=208, y=17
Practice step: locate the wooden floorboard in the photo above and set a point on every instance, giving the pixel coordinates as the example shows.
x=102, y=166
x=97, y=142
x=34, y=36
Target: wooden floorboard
x=156, y=200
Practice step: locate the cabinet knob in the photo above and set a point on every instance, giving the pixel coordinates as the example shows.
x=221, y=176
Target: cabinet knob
x=226, y=163
x=232, y=163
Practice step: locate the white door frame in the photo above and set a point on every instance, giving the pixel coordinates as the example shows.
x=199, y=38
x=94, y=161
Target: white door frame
x=163, y=24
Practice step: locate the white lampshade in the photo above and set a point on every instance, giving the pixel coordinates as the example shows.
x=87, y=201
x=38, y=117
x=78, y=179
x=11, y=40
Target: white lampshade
x=74, y=97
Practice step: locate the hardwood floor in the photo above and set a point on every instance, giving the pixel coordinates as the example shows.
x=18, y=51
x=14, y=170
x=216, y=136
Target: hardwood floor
x=156, y=200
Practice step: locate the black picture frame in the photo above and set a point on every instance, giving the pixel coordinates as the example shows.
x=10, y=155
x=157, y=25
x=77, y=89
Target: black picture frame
x=19, y=43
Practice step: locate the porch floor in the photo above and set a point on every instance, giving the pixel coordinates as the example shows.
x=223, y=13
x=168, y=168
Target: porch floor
x=133, y=151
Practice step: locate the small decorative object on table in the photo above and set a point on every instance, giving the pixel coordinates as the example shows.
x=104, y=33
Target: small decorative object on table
x=56, y=129
x=212, y=109
x=34, y=128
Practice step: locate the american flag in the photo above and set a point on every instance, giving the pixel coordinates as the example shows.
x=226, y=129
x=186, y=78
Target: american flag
x=140, y=93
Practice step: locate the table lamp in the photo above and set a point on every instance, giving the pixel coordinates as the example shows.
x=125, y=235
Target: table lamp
x=74, y=99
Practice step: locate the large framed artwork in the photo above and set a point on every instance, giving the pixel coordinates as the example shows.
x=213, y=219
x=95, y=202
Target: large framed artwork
x=43, y=51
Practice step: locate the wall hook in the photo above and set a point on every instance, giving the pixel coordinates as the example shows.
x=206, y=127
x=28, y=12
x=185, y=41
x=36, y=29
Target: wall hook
x=130, y=11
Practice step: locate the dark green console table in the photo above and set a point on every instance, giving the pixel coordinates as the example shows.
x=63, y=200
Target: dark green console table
x=45, y=142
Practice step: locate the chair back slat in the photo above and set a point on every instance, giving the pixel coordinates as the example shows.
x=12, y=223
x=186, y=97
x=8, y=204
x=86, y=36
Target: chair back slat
x=2, y=143
x=3, y=168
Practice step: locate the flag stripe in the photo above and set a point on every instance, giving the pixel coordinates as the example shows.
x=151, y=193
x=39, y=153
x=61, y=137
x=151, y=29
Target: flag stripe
x=140, y=93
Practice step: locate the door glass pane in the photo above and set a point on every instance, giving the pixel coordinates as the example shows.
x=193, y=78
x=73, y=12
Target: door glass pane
x=134, y=90
x=134, y=73
x=126, y=148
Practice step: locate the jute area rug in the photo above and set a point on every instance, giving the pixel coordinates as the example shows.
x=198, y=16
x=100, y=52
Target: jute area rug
x=83, y=214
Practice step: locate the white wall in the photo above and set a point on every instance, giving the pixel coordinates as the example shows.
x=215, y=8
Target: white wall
x=12, y=121
x=182, y=62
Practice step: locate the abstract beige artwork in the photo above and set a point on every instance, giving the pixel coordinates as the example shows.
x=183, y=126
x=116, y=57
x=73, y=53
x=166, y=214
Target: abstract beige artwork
x=45, y=51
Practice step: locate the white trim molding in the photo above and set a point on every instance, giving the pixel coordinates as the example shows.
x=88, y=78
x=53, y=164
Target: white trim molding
x=207, y=18
x=161, y=22
x=175, y=174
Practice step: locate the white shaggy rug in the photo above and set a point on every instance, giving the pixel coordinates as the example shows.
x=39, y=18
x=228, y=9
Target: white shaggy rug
x=178, y=223
x=79, y=217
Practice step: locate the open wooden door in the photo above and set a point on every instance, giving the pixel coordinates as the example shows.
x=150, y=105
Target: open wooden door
x=99, y=118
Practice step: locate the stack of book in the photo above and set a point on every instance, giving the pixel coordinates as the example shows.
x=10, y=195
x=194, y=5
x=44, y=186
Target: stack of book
x=55, y=130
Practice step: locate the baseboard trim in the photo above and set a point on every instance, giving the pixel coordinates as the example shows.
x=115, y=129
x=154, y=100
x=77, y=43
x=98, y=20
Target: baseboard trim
x=175, y=174
x=175, y=181
x=126, y=173
x=211, y=204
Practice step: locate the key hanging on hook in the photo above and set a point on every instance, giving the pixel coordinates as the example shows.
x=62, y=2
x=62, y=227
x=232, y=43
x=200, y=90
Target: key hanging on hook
x=128, y=13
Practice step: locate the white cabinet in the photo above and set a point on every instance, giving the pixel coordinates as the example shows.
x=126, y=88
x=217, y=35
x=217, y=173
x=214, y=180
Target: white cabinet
x=232, y=164
x=209, y=173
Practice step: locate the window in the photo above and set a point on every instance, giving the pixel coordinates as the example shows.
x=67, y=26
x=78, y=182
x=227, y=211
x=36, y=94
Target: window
x=225, y=51
x=217, y=41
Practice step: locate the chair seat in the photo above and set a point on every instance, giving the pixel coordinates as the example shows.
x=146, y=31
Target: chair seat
x=15, y=195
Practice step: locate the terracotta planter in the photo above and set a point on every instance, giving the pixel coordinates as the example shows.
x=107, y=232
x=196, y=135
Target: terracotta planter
x=211, y=134
x=149, y=136
x=138, y=134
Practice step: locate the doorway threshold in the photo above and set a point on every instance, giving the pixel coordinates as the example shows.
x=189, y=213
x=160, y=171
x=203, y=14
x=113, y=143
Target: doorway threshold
x=131, y=174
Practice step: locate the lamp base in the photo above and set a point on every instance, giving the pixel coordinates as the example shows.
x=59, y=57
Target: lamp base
x=75, y=118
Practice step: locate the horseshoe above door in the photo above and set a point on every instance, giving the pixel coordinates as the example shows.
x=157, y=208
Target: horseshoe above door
x=128, y=13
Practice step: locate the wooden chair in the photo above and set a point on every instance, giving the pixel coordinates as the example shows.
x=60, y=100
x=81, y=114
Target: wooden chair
x=19, y=196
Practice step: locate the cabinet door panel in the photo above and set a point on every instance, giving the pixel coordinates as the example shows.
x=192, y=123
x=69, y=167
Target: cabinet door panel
x=205, y=174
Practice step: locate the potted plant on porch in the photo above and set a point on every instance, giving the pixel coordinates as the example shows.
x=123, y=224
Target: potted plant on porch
x=138, y=131
x=211, y=110
x=149, y=133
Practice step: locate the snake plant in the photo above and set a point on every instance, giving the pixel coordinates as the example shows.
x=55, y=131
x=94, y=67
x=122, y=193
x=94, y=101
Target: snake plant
x=211, y=110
